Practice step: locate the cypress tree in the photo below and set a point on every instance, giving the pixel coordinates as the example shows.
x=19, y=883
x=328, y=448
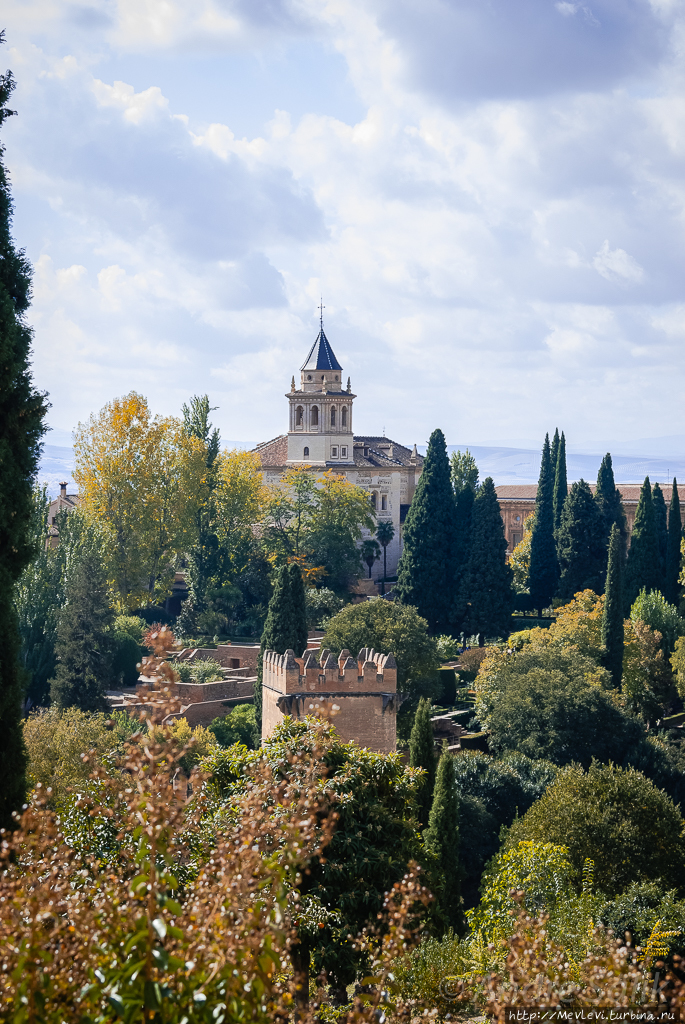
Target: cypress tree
x=661, y=520
x=610, y=504
x=642, y=568
x=544, y=569
x=487, y=583
x=85, y=644
x=285, y=627
x=465, y=499
x=422, y=755
x=612, y=618
x=22, y=410
x=554, y=449
x=441, y=840
x=580, y=543
x=560, y=482
x=675, y=535
x=427, y=571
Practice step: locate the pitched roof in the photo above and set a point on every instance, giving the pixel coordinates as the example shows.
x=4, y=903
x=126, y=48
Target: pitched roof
x=321, y=355
x=382, y=452
x=528, y=492
x=273, y=453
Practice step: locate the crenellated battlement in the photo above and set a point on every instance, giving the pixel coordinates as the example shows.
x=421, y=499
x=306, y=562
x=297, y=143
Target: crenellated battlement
x=360, y=694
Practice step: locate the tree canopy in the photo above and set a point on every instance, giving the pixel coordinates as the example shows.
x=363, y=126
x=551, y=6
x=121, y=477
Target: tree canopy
x=486, y=583
x=580, y=544
x=543, y=573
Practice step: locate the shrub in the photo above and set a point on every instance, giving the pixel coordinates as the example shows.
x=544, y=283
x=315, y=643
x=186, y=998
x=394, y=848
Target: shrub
x=238, y=726
x=126, y=656
x=320, y=606
x=614, y=816
x=198, y=670
x=134, y=625
x=448, y=648
x=653, y=609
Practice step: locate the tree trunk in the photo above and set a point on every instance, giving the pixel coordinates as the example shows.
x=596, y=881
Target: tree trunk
x=300, y=958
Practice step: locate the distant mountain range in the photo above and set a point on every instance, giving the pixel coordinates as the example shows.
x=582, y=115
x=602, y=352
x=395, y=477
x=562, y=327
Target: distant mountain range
x=659, y=458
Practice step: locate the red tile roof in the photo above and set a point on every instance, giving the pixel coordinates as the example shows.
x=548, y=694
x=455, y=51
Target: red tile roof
x=527, y=492
x=273, y=453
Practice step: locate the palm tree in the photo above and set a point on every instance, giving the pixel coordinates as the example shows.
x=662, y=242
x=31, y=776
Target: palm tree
x=385, y=532
x=370, y=553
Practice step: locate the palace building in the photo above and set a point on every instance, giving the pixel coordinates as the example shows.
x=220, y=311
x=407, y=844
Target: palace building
x=320, y=436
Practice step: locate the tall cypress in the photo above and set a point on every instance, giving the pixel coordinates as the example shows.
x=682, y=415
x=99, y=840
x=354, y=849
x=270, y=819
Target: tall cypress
x=441, y=840
x=544, y=569
x=580, y=544
x=554, y=449
x=610, y=504
x=462, y=535
x=285, y=627
x=427, y=571
x=675, y=535
x=22, y=410
x=612, y=618
x=560, y=481
x=422, y=755
x=642, y=568
x=487, y=583
x=661, y=520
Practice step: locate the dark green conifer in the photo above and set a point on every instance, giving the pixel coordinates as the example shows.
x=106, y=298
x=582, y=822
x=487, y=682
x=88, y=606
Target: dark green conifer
x=610, y=504
x=465, y=499
x=554, y=449
x=487, y=583
x=442, y=842
x=427, y=572
x=422, y=755
x=560, y=482
x=21, y=427
x=612, y=618
x=543, y=575
x=642, y=568
x=85, y=645
x=285, y=627
x=580, y=544
x=661, y=520
x=675, y=535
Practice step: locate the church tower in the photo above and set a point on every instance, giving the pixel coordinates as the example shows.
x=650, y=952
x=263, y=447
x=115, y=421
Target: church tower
x=320, y=428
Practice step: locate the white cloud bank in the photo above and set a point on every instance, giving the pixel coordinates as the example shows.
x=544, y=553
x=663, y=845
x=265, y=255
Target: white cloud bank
x=498, y=239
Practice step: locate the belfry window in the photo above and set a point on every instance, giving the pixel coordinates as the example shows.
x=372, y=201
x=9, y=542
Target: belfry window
x=306, y=453
x=298, y=416
x=343, y=416
x=333, y=417
x=315, y=415
x=384, y=503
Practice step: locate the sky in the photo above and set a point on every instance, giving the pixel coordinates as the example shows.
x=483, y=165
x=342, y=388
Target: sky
x=488, y=194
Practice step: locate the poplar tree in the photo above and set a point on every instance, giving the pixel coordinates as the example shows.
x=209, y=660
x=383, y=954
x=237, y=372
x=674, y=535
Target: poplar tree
x=642, y=568
x=544, y=569
x=560, y=482
x=661, y=521
x=22, y=410
x=427, y=571
x=441, y=840
x=580, y=544
x=422, y=755
x=487, y=584
x=612, y=616
x=675, y=534
x=285, y=627
x=610, y=504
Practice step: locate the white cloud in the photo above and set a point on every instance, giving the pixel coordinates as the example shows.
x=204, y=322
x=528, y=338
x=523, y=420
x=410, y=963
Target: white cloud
x=617, y=265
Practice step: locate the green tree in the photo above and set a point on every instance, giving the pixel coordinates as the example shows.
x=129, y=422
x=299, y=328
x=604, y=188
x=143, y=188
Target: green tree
x=486, y=584
x=560, y=481
x=554, y=450
x=464, y=472
x=612, y=615
x=462, y=538
x=371, y=553
x=422, y=755
x=239, y=726
x=427, y=570
x=618, y=818
x=286, y=624
x=653, y=608
x=543, y=574
x=675, y=536
x=610, y=503
x=642, y=568
x=22, y=410
x=385, y=532
x=661, y=520
x=84, y=645
x=342, y=512
x=390, y=628
x=441, y=840
x=322, y=604
x=580, y=543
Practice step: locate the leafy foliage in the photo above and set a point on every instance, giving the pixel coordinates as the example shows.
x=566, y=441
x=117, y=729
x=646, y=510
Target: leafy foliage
x=322, y=604
x=286, y=624
x=441, y=840
x=486, y=584
x=464, y=472
x=519, y=562
x=610, y=504
x=239, y=726
x=581, y=546
x=653, y=609
x=422, y=755
x=643, y=567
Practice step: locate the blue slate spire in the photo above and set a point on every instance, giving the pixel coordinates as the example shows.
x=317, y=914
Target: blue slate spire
x=321, y=355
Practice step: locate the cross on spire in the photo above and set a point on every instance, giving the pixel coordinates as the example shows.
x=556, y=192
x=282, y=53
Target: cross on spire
x=321, y=309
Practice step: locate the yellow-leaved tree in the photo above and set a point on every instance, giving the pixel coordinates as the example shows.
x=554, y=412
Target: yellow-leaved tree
x=142, y=478
x=239, y=498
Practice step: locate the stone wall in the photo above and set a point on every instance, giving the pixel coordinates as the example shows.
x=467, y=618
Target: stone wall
x=359, y=696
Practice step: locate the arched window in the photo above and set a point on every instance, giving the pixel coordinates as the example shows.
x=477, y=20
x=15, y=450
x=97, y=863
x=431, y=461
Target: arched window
x=298, y=416
x=306, y=453
x=315, y=415
x=333, y=417
x=384, y=503
x=343, y=417
x=374, y=499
